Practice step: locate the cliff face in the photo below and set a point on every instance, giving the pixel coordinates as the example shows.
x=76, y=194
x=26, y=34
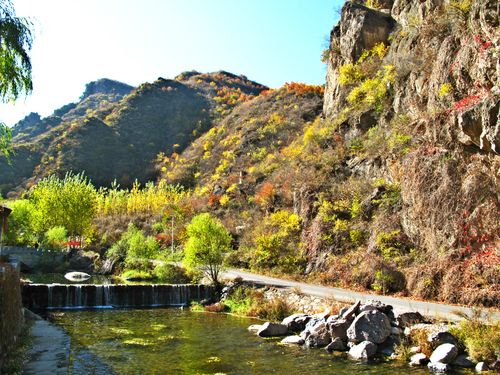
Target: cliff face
x=433, y=86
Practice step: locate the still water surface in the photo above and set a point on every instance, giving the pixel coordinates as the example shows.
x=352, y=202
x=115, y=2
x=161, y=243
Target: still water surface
x=173, y=341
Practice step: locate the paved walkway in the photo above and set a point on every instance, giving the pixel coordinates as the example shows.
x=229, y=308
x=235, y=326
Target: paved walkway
x=49, y=353
x=430, y=309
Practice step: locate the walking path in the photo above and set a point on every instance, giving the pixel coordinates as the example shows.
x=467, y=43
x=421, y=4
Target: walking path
x=49, y=353
x=430, y=309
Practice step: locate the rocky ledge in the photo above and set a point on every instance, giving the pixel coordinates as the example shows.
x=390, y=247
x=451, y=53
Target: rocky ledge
x=373, y=330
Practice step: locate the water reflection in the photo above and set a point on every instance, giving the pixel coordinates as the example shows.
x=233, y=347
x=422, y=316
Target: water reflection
x=171, y=341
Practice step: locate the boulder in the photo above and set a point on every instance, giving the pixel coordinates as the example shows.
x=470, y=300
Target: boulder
x=296, y=322
x=254, y=328
x=269, y=329
x=363, y=350
x=481, y=366
x=336, y=345
x=439, y=367
x=343, y=310
x=439, y=338
x=338, y=328
x=419, y=359
x=82, y=261
x=382, y=307
x=293, y=340
x=313, y=322
x=408, y=318
x=444, y=353
x=437, y=334
x=371, y=326
x=319, y=336
x=463, y=360
x=351, y=311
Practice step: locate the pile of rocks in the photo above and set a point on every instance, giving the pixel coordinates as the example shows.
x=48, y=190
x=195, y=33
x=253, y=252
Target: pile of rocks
x=366, y=330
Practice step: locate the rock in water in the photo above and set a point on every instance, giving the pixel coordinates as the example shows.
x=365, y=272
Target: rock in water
x=254, y=328
x=371, y=326
x=269, y=329
x=77, y=276
x=444, y=353
x=336, y=345
x=319, y=336
x=363, y=350
x=419, y=359
x=296, y=340
x=296, y=322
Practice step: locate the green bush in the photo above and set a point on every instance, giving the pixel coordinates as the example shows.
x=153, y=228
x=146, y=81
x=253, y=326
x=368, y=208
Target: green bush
x=20, y=224
x=170, y=273
x=389, y=245
x=135, y=249
x=55, y=238
x=136, y=275
x=480, y=340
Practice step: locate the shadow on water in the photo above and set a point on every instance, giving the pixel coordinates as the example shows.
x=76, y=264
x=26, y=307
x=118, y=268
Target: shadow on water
x=173, y=341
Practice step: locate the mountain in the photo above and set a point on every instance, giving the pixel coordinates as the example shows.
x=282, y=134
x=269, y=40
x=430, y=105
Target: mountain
x=392, y=184
x=114, y=132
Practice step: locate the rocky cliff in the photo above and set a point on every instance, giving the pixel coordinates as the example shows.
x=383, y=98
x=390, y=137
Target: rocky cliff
x=426, y=75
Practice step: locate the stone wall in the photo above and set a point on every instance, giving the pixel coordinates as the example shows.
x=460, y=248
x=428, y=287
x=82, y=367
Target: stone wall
x=31, y=256
x=301, y=302
x=11, y=311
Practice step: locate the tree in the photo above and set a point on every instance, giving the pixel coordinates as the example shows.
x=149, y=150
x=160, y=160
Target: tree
x=15, y=64
x=208, y=242
x=70, y=202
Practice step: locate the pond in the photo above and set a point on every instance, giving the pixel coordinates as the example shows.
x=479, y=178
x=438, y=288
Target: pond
x=173, y=341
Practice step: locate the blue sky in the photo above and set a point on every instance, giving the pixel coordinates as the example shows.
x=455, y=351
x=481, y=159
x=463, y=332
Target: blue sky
x=136, y=41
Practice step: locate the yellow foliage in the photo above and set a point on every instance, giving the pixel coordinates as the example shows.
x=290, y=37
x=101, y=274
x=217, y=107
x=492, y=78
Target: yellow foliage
x=231, y=188
x=224, y=200
x=445, y=89
x=373, y=91
x=350, y=74
x=462, y=5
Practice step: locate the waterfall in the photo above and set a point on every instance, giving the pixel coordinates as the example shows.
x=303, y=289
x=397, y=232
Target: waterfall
x=62, y=296
x=49, y=294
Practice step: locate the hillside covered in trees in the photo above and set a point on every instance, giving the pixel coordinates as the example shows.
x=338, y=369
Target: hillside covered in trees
x=114, y=131
x=384, y=179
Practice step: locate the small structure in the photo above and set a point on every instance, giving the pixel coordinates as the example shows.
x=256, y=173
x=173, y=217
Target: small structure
x=4, y=214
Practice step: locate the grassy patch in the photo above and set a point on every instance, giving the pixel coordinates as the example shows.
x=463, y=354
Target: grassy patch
x=479, y=339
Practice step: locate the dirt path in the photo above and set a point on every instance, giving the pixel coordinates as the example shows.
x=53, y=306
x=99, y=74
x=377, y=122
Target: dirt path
x=49, y=353
x=431, y=309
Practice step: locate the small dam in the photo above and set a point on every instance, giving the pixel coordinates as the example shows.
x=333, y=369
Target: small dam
x=89, y=296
